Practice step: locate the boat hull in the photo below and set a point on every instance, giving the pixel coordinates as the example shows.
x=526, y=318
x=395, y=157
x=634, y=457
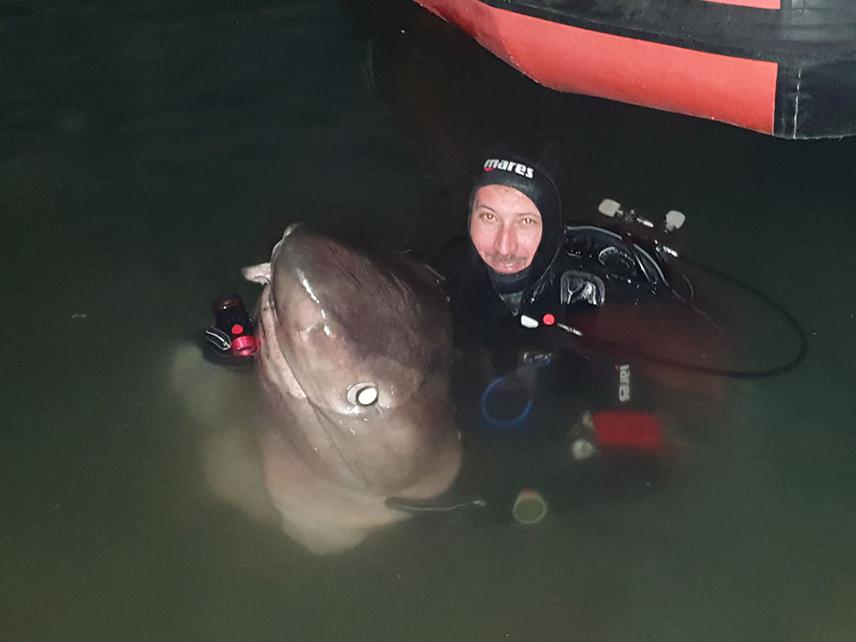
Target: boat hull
x=763, y=67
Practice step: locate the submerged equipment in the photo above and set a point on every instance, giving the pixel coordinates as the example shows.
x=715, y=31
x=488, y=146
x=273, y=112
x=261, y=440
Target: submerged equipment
x=231, y=340
x=529, y=507
x=491, y=417
x=530, y=361
x=628, y=256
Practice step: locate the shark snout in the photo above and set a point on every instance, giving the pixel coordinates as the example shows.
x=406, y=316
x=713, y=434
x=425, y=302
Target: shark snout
x=291, y=228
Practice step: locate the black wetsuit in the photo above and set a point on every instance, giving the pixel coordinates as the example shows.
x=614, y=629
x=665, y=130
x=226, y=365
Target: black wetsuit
x=595, y=268
x=524, y=391
x=527, y=385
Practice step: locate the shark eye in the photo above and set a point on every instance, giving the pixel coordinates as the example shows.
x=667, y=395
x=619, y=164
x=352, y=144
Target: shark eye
x=362, y=394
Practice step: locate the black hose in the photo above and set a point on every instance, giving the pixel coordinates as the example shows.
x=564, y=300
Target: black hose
x=729, y=373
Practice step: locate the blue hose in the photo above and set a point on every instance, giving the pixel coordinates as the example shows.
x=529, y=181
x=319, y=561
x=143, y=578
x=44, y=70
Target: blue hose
x=495, y=421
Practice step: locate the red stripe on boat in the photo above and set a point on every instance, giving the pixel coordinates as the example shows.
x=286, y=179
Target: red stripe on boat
x=734, y=90
x=755, y=4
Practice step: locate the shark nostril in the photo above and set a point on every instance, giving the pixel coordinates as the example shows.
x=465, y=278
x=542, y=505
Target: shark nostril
x=362, y=394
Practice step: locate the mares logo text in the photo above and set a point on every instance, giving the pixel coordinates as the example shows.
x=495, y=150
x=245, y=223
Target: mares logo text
x=624, y=383
x=509, y=166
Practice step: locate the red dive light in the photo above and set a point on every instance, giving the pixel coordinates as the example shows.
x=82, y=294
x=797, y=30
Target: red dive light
x=230, y=316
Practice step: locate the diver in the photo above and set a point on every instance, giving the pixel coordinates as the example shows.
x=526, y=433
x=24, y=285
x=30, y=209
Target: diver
x=523, y=273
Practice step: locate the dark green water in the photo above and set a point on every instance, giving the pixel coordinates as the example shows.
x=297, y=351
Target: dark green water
x=149, y=150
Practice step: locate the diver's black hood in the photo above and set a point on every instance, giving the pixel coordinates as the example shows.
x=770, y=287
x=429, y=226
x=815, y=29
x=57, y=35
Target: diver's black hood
x=531, y=168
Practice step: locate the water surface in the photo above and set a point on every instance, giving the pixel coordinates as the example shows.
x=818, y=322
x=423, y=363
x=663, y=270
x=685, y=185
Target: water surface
x=150, y=150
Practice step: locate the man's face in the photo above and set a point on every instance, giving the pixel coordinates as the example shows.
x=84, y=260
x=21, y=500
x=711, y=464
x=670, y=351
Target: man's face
x=505, y=228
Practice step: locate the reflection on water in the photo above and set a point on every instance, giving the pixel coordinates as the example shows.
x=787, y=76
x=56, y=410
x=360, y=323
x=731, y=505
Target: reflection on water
x=150, y=151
